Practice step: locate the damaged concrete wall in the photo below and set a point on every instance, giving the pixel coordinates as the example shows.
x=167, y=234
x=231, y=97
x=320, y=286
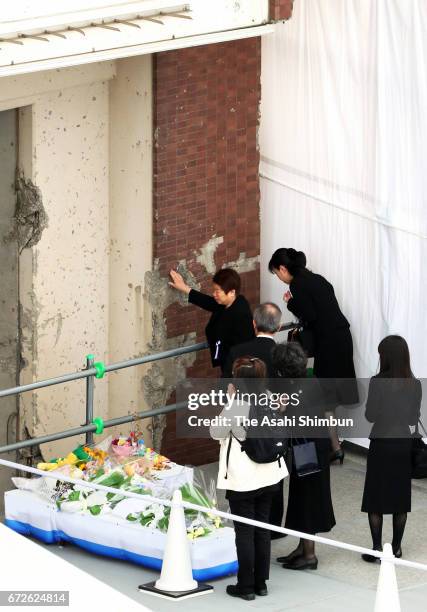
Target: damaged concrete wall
x=64, y=285
x=30, y=219
x=9, y=286
x=84, y=225
x=162, y=376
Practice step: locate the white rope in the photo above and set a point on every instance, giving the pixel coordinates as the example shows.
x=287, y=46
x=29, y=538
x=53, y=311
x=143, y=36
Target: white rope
x=215, y=512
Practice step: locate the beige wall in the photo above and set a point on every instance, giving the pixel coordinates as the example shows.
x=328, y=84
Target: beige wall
x=130, y=227
x=85, y=141
x=65, y=297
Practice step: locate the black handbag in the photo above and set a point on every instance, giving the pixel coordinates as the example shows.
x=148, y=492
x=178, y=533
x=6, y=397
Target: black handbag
x=305, y=459
x=304, y=337
x=419, y=454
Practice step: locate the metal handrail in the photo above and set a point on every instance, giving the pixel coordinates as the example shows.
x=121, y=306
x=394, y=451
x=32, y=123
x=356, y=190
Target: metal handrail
x=109, y=368
x=90, y=373
x=68, y=433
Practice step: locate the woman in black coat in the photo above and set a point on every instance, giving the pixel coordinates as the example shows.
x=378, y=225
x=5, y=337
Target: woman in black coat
x=393, y=404
x=310, y=508
x=311, y=298
x=231, y=321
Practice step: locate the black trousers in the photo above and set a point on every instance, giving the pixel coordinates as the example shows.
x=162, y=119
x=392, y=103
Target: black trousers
x=277, y=509
x=252, y=543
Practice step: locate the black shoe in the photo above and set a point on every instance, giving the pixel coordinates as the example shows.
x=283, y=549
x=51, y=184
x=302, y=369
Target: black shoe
x=293, y=555
x=301, y=563
x=398, y=553
x=370, y=558
x=234, y=591
x=261, y=590
x=337, y=455
x=276, y=536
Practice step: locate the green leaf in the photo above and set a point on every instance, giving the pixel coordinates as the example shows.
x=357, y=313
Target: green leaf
x=116, y=501
x=114, y=480
x=163, y=523
x=131, y=517
x=74, y=496
x=194, y=495
x=146, y=520
x=95, y=510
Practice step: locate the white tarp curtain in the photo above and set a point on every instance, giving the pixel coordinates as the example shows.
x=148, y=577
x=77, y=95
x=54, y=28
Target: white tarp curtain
x=343, y=144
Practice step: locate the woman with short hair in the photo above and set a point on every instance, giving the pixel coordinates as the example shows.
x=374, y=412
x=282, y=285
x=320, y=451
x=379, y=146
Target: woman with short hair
x=231, y=320
x=310, y=507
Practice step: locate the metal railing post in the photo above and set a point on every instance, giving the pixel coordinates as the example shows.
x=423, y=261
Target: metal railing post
x=90, y=385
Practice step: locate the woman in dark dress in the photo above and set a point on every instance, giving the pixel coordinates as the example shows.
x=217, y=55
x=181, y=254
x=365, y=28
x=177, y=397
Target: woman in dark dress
x=310, y=507
x=311, y=298
x=393, y=404
x=231, y=321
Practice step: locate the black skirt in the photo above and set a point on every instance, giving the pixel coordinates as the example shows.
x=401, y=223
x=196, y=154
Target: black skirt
x=388, y=476
x=333, y=362
x=310, y=503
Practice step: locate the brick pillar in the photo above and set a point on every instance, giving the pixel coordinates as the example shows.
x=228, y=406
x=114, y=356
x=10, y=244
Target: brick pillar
x=281, y=9
x=205, y=183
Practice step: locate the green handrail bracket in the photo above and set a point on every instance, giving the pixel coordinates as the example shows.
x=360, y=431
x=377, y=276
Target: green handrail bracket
x=99, y=425
x=100, y=369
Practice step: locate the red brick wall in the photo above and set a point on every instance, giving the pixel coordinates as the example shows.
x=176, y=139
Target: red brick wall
x=281, y=9
x=205, y=182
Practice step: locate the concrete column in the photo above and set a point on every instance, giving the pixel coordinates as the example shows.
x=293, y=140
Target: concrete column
x=64, y=283
x=130, y=228
x=8, y=284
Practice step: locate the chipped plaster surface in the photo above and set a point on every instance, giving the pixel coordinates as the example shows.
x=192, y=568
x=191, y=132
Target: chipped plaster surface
x=161, y=379
x=243, y=264
x=30, y=216
x=207, y=253
x=205, y=256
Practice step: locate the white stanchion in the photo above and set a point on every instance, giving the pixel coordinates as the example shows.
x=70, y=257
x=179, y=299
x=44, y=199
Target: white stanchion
x=176, y=578
x=387, y=598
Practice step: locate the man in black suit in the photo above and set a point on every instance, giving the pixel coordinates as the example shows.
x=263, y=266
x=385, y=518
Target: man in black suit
x=266, y=320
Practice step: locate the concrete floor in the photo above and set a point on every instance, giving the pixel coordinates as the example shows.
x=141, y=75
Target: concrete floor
x=343, y=582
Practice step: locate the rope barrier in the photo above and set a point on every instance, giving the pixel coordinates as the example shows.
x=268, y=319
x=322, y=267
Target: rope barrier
x=221, y=514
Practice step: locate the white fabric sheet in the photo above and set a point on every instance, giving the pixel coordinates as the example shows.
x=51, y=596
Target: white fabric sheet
x=343, y=147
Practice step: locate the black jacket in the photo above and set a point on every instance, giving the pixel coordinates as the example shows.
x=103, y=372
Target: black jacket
x=258, y=347
x=226, y=327
x=393, y=405
x=314, y=303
